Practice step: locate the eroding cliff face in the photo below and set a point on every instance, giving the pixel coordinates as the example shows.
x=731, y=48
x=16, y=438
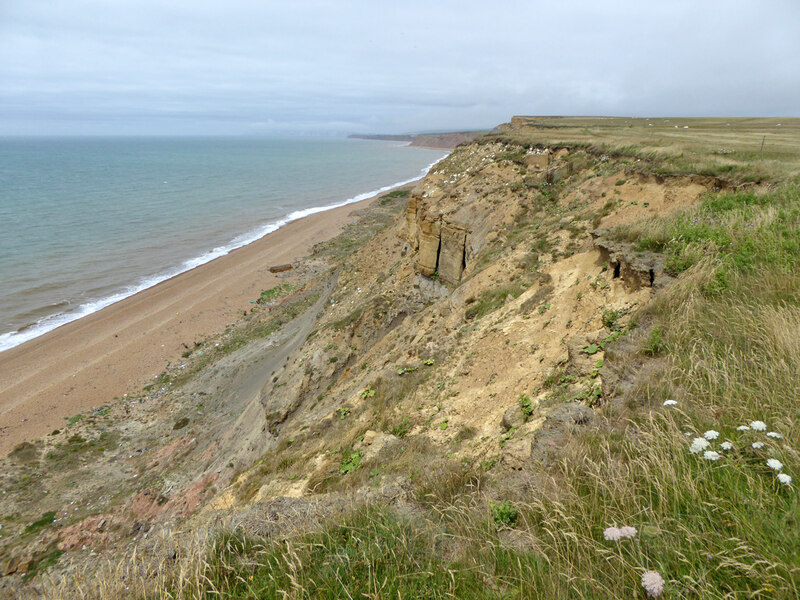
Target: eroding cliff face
x=439, y=242
x=453, y=210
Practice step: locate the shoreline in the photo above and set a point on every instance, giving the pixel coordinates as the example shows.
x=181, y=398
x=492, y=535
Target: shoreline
x=32, y=331
x=89, y=361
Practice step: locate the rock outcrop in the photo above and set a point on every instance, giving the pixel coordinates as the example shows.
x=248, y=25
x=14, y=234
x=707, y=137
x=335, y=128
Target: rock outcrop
x=636, y=268
x=440, y=243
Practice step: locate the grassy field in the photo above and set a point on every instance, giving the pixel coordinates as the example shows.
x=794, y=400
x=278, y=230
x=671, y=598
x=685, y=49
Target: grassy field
x=742, y=149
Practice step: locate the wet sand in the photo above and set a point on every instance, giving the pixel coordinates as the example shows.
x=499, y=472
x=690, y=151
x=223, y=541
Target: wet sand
x=86, y=363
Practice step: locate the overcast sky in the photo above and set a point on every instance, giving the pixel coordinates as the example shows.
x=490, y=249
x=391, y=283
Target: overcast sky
x=281, y=67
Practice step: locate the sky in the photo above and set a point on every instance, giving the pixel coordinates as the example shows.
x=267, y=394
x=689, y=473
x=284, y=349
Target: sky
x=300, y=67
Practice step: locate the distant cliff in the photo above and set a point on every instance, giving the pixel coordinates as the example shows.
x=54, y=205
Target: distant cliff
x=445, y=141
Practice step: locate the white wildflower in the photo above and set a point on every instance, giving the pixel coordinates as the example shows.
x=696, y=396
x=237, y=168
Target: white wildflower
x=743, y=428
x=628, y=532
x=758, y=425
x=711, y=434
x=774, y=435
x=784, y=479
x=653, y=583
x=711, y=455
x=726, y=446
x=757, y=445
x=688, y=434
x=698, y=445
x=614, y=534
x=774, y=464
x=670, y=403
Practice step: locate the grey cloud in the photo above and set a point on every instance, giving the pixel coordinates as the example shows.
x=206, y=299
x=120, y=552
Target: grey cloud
x=146, y=66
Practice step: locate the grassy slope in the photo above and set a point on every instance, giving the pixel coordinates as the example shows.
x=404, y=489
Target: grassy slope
x=726, y=351
x=721, y=341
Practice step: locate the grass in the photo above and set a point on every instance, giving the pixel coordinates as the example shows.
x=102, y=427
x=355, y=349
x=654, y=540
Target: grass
x=275, y=293
x=491, y=299
x=355, y=235
x=78, y=449
x=373, y=554
x=44, y=521
x=49, y=559
x=718, y=147
x=741, y=231
x=723, y=529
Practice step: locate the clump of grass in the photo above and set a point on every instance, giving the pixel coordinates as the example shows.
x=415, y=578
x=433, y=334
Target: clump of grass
x=492, y=299
x=526, y=405
x=274, y=293
x=41, y=564
x=349, y=320
x=402, y=428
x=77, y=448
x=44, y=521
x=394, y=195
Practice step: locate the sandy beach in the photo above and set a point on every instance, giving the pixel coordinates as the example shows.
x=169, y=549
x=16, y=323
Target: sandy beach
x=86, y=363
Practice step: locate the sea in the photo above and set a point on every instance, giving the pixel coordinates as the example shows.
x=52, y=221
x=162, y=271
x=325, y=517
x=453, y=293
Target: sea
x=87, y=222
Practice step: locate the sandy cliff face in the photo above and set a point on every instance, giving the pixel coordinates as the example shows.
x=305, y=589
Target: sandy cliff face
x=470, y=325
x=440, y=243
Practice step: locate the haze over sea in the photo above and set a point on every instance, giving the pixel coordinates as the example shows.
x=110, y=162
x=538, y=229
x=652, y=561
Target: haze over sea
x=85, y=222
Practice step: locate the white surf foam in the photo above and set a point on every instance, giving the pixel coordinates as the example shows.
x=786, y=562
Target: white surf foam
x=51, y=322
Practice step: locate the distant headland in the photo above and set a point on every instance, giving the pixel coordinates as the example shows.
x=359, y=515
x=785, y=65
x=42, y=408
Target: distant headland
x=446, y=141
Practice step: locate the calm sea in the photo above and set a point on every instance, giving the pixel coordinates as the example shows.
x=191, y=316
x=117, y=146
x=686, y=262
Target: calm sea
x=87, y=222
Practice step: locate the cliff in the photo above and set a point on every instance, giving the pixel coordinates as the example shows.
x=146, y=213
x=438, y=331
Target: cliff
x=443, y=141
x=482, y=362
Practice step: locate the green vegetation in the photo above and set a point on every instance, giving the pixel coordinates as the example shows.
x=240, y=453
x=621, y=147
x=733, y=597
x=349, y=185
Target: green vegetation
x=394, y=195
x=79, y=449
x=504, y=513
x=491, y=300
x=526, y=405
x=733, y=233
x=44, y=562
x=401, y=429
x=372, y=554
x=44, y=521
x=71, y=421
x=349, y=320
x=350, y=462
x=273, y=294
x=719, y=147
